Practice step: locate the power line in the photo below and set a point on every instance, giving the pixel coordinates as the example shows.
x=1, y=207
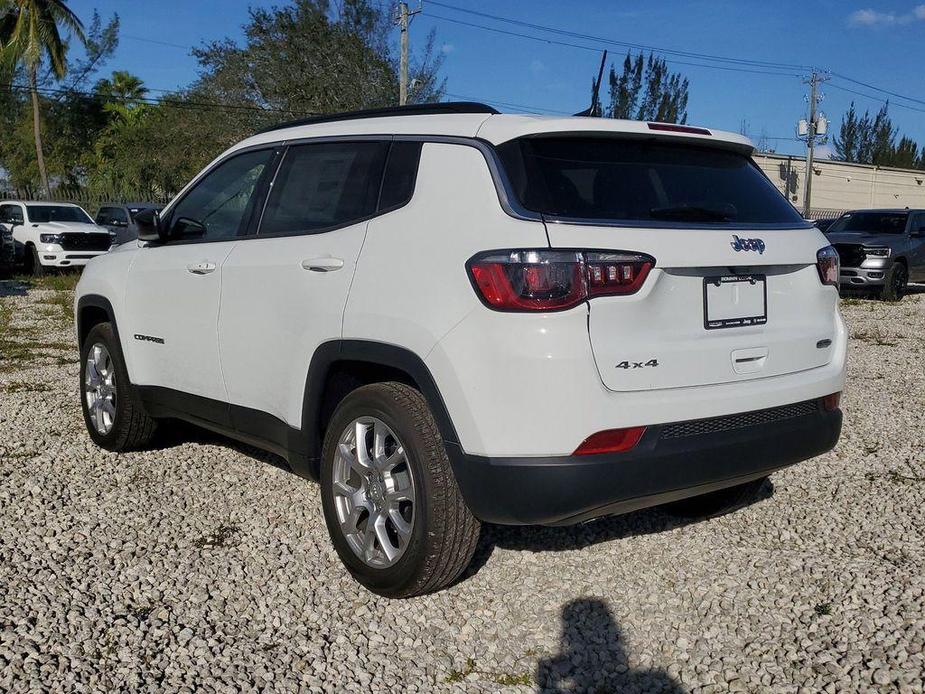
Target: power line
x=879, y=89
x=875, y=98
x=615, y=42
x=541, y=39
x=523, y=107
x=180, y=103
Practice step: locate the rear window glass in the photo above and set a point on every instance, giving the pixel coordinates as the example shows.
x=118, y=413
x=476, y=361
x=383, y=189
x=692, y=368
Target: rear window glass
x=871, y=222
x=627, y=180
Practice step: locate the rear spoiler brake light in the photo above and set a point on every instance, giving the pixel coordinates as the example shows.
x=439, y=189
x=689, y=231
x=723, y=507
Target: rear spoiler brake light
x=672, y=128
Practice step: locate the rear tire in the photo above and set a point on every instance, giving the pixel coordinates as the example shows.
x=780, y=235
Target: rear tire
x=428, y=535
x=894, y=288
x=116, y=419
x=716, y=503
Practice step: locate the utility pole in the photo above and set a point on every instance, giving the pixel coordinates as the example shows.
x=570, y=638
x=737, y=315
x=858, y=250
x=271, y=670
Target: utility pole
x=815, y=126
x=404, y=17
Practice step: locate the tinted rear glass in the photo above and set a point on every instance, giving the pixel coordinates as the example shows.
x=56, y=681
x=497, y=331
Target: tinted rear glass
x=40, y=214
x=871, y=222
x=627, y=180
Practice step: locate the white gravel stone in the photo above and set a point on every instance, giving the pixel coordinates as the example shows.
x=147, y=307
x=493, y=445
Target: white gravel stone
x=201, y=566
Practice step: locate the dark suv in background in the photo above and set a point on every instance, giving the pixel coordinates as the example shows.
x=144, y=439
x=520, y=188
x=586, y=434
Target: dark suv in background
x=880, y=250
x=119, y=218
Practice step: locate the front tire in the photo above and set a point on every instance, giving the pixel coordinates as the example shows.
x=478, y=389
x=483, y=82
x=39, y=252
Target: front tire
x=115, y=418
x=391, y=503
x=894, y=287
x=34, y=265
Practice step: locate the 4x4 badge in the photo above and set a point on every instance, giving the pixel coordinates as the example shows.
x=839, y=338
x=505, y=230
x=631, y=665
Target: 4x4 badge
x=747, y=244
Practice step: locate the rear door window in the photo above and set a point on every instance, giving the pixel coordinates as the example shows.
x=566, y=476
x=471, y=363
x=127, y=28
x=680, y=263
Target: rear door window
x=323, y=186
x=612, y=179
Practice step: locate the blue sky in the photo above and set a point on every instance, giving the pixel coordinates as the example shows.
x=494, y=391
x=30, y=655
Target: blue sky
x=878, y=43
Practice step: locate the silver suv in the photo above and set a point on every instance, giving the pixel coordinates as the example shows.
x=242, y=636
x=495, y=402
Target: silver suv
x=880, y=250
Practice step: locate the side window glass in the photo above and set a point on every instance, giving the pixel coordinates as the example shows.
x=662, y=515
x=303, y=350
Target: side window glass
x=10, y=214
x=320, y=186
x=102, y=217
x=400, y=174
x=221, y=203
x=118, y=215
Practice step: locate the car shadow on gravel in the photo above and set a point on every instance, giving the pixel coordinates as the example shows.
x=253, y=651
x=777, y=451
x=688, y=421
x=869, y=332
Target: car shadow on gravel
x=537, y=538
x=179, y=433
x=593, y=656
x=13, y=288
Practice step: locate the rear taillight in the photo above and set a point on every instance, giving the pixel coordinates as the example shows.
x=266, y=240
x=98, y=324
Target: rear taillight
x=610, y=441
x=827, y=265
x=548, y=280
x=831, y=402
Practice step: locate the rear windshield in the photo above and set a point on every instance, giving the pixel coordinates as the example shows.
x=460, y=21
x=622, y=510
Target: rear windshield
x=871, y=222
x=627, y=180
x=39, y=214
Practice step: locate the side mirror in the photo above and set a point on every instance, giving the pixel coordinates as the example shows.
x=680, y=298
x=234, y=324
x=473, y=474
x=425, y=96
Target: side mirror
x=150, y=227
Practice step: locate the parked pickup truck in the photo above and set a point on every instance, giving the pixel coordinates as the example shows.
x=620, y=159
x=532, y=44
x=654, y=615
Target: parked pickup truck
x=51, y=234
x=880, y=250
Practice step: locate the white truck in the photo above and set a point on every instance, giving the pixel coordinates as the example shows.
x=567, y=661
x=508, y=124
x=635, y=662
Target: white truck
x=51, y=235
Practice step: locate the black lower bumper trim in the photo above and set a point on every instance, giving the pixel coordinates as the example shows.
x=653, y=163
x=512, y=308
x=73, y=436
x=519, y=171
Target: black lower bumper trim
x=572, y=489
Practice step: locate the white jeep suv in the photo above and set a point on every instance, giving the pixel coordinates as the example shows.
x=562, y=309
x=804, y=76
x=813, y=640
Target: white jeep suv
x=451, y=316
x=52, y=234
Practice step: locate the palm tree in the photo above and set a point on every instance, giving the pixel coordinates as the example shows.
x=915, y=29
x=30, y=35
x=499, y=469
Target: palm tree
x=28, y=33
x=124, y=88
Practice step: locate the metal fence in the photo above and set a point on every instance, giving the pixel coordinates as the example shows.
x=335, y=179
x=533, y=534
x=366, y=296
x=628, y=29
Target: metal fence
x=90, y=201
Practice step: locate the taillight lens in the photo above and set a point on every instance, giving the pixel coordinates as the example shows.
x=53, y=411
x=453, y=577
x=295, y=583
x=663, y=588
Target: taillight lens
x=827, y=265
x=831, y=402
x=610, y=441
x=548, y=280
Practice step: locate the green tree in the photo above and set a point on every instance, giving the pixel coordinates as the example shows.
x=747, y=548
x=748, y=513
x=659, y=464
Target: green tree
x=310, y=57
x=875, y=140
x=29, y=34
x=647, y=90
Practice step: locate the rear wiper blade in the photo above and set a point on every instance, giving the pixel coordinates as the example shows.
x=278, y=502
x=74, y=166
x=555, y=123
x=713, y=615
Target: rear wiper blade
x=689, y=214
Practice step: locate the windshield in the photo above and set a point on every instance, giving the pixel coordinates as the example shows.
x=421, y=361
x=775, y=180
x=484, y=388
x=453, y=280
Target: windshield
x=39, y=214
x=871, y=223
x=622, y=179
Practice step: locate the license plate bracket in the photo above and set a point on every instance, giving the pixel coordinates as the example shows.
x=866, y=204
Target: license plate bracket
x=734, y=301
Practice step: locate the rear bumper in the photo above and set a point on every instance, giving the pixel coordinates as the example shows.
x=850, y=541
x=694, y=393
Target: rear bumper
x=671, y=461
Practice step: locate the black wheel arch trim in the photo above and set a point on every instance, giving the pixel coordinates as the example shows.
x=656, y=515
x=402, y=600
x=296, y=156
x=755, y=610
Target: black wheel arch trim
x=330, y=353
x=100, y=302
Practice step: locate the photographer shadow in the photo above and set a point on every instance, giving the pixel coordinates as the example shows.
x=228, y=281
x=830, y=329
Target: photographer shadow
x=593, y=657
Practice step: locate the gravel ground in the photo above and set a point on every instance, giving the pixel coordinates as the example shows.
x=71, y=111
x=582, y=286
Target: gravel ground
x=202, y=566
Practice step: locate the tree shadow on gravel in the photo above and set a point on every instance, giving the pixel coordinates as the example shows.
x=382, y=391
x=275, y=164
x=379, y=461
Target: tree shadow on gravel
x=538, y=538
x=593, y=657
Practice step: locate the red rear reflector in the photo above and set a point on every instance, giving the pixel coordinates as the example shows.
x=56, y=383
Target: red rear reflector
x=831, y=402
x=610, y=441
x=672, y=128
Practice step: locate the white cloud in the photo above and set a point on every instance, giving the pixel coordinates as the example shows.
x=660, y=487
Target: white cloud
x=447, y=48
x=825, y=152
x=868, y=17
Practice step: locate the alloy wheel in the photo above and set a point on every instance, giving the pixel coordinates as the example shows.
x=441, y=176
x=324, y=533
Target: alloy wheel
x=100, y=388
x=373, y=488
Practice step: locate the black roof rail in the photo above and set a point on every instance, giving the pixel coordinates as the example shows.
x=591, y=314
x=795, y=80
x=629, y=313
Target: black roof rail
x=440, y=108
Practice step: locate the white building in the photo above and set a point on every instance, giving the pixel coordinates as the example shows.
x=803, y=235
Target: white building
x=839, y=186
